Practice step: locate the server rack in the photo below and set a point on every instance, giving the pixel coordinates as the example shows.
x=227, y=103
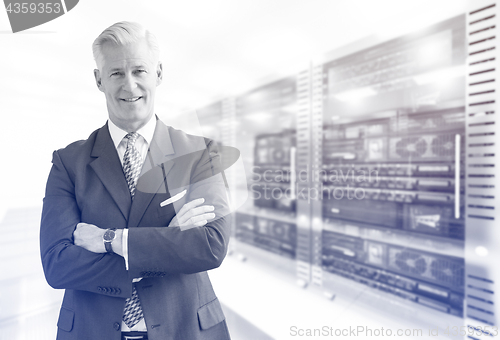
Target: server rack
x=418, y=227
x=482, y=182
x=216, y=122
x=392, y=170
x=264, y=126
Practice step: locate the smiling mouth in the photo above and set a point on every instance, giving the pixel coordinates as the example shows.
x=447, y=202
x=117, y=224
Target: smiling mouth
x=130, y=100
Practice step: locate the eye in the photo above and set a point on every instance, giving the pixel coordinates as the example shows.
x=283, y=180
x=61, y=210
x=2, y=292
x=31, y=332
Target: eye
x=141, y=71
x=114, y=74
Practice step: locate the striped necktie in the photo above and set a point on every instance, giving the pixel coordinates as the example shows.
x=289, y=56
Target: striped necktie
x=132, y=164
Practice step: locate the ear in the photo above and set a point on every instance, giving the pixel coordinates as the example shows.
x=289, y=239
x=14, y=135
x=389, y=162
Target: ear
x=97, y=76
x=159, y=73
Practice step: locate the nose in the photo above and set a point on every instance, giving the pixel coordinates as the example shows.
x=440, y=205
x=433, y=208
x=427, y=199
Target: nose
x=129, y=83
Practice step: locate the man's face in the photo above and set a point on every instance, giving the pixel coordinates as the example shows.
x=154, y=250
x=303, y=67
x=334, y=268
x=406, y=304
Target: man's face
x=129, y=77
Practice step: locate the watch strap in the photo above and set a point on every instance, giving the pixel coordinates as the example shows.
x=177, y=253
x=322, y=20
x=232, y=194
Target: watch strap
x=107, y=243
x=108, y=247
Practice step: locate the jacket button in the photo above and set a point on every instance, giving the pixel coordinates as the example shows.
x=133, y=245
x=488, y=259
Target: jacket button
x=116, y=326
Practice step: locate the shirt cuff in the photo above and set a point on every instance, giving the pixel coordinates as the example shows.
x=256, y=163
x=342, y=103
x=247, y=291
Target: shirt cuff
x=125, y=252
x=125, y=246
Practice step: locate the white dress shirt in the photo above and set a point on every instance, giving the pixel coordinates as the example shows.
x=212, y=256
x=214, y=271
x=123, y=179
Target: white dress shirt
x=142, y=145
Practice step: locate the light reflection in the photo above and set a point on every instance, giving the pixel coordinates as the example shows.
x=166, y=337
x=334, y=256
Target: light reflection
x=441, y=76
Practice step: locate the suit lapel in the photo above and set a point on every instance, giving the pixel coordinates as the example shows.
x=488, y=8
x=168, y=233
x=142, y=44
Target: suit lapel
x=152, y=179
x=108, y=168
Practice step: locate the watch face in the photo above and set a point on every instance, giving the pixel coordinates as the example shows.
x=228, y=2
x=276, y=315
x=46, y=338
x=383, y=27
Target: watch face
x=109, y=235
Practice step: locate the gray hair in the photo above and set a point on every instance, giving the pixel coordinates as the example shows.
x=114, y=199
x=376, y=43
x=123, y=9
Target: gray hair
x=123, y=33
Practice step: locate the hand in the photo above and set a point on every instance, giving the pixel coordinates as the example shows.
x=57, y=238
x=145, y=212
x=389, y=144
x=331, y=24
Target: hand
x=89, y=236
x=193, y=214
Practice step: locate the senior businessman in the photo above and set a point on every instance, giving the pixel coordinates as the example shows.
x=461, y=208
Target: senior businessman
x=135, y=215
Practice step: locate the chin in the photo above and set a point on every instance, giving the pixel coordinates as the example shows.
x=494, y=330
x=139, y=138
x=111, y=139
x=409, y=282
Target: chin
x=141, y=118
x=135, y=115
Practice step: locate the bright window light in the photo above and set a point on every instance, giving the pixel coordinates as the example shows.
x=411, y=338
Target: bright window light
x=440, y=76
x=258, y=116
x=357, y=94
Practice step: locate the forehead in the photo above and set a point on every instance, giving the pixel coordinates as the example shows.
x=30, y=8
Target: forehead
x=127, y=55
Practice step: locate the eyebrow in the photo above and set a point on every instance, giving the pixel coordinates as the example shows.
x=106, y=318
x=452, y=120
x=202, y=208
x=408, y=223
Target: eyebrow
x=115, y=69
x=132, y=67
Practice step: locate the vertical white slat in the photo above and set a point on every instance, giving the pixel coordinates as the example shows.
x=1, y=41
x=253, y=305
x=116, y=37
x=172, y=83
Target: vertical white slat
x=303, y=160
x=316, y=166
x=482, y=167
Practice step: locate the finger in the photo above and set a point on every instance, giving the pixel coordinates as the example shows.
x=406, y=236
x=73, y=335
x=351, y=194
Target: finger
x=185, y=213
x=195, y=212
x=201, y=223
x=188, y=206
x=174, y=222
x=202, y=209
x=76, y=237
x=199, y=218
x=77, y=233
x=83, y=228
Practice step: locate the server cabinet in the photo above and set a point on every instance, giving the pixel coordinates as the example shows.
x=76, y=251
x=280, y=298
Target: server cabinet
x=392, y=172
x=482, y=237
x=375, y=174
x=216, y=122
x=265, y=134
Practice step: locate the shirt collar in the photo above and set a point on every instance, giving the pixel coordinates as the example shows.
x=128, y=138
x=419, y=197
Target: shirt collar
x=147, y=131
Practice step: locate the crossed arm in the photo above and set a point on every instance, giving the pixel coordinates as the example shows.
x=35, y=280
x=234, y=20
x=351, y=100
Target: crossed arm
x=192, y=214
x=73, y=254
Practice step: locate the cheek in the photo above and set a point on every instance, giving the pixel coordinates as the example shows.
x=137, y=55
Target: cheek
x=113, y=100
x=109, y=91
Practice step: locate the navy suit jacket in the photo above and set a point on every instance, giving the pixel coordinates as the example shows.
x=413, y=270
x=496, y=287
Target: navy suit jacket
x=87, y=184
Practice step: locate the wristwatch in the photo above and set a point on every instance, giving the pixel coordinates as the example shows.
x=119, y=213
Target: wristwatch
x=107, y=238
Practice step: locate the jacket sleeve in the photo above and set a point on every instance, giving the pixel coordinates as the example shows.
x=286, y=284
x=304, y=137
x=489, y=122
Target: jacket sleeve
x=166, y=250
x=66, y=265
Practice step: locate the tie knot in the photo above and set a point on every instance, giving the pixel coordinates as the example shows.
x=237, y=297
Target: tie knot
x=132, y=137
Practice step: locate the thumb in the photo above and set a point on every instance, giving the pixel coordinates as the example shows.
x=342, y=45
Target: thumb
x=174, y=222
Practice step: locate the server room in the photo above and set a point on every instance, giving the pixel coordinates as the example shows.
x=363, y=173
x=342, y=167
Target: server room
x=358, y=141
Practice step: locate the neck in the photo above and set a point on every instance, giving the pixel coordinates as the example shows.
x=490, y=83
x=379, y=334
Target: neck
x=130, y=126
